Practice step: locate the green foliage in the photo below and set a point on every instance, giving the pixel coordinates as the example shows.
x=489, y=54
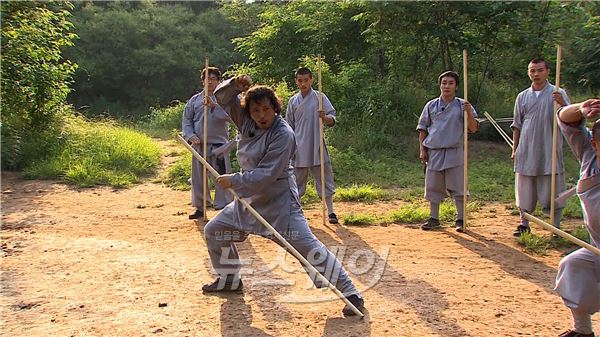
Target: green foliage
x=98, y=153
x=149, y=54
x=368, y=193
x=410, y=214
x=163, y=121
x=35, y=79
x=178, y=173
x=534, y=243
x=359, y=219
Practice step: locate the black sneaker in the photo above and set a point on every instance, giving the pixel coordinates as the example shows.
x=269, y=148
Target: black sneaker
x=230, y=284
x=460, y=226
x=520, y=230
x=358, y=302
x=196, y=215
x=333, y=218
x=431, y=224
x=573, y=333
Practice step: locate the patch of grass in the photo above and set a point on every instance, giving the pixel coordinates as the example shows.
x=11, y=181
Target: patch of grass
x=368, y=193
x=573, y=208
x=581, y=233
x=360, y=219
x=310, y=196
x=534, y=243
x=409, y=214
x=179, y=172
x=98, y=153
x=163, y=122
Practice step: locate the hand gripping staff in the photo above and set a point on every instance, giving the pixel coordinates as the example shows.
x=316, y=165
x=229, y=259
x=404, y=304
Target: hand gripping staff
x=281, y=239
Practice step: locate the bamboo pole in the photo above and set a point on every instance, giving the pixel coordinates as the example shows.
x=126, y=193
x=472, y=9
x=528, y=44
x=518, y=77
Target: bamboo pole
x=466, y=142
x=265, y=223
x=205, y=140
x=321, y=143
x=499, y=129
x=555, y=139
x=561, y=233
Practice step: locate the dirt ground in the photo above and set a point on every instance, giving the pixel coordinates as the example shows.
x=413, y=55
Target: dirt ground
x=106, y=262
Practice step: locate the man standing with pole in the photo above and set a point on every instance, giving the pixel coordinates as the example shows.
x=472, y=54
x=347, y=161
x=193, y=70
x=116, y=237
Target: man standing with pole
x=532, y=152
x=441, y=132
x=305, y=111
x=205, y=140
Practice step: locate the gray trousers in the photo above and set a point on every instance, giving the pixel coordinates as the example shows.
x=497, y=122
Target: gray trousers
x=222, y=197
x=301, y=174
x=221, y=234
x=578, y=281
x=531, y=189
x=439, y=183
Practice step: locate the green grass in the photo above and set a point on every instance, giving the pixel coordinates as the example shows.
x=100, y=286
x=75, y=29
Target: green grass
x=98, y=153
x=365, y=193
x=163, y=122
x=535, y=243
x=410, y=214
x=360, y=219
x=178, y=173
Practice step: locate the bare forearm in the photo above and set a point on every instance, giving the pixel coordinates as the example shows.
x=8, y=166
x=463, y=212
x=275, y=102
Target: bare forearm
x=516, y=135
x=571, y=114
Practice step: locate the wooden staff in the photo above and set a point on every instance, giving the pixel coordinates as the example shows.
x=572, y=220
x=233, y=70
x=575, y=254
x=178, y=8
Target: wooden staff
x=499, y=129
x=265, y=223
x=205, y=140
x=466, y=141
x=561, y=233
x=321, y=143
x=555, y=138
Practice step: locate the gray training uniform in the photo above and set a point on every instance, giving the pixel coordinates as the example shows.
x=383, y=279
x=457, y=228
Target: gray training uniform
x=218, y=135
x=533, y=116
x=578, y=279
x=267, y=182
x=444, y=142
x=302, y=116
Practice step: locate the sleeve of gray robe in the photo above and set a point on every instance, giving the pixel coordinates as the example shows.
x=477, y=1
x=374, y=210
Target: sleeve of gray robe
x=187, y=121
x=329, y=109
x=270, y=167
x=289, y=114
x=227, y=98
x=424, y=120
x=579, y=138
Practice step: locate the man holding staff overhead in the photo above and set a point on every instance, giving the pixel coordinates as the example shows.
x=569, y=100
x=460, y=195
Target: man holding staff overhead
x=303, y=115
x=578, y=280
x=532, y=151
x=441, y=148
x=217, y=138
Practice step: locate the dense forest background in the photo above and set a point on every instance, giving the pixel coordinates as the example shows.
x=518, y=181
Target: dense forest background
x=123, y=61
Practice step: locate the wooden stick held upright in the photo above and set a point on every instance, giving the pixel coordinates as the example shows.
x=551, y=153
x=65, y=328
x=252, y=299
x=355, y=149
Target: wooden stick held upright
x=279, y=237
x=466, y=141
x=555, y=140
x=321, y=143
x=205, y=140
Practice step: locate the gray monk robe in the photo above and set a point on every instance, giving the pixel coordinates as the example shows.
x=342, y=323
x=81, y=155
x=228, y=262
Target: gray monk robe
x=267, y=183
x=218, y=136
x=578, y=279
x=302, y=116
x=533, y=159
x=444, y=125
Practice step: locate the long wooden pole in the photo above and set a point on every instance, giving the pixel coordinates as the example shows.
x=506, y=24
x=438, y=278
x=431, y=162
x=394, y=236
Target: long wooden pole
x=205, y=140
x=555, y=139
x=499, y=129
x=321, y=143
x=265, y=223
x=466, y=141
x=561, y=233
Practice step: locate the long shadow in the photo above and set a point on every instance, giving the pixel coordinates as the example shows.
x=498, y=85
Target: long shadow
x=266, y=296
x=236, y=319
x=428, y=302
x=354, y=326
x=511, y=260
